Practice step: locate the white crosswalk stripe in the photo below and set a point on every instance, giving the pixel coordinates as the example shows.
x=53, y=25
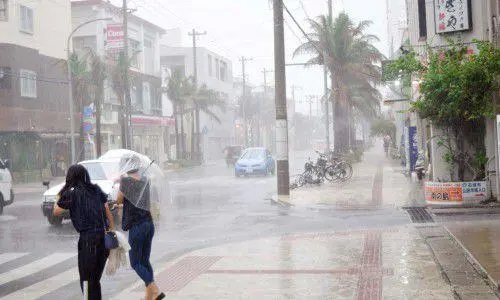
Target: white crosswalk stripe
x=35, y=267
x=6, y=257
x=5, y=218
x=45, y=287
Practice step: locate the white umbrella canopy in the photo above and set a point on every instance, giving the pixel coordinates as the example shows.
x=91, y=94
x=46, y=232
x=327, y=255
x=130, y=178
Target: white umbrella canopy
x=143, y=183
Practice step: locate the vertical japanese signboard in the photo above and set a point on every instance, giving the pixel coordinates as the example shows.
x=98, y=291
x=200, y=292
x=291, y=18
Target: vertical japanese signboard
x=452, y=15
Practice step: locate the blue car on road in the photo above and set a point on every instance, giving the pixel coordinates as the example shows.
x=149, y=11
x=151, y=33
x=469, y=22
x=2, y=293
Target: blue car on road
x=255, y=161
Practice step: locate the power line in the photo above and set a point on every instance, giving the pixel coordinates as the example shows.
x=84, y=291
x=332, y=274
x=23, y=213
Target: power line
x=291, y=29
x=188, y=23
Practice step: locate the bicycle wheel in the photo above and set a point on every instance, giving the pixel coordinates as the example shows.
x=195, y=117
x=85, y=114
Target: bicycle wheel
x=330, y=173
x=302, y=180
x=343, y=171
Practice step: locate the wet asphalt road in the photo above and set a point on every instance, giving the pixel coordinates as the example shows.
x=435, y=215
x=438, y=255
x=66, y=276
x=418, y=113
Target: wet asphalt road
x=207, y=206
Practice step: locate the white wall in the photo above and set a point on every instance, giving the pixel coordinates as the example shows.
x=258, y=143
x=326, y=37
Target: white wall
x=479, y=24
x=479, y=31
x=51, y=26
x=137, y=31
x=396, y=24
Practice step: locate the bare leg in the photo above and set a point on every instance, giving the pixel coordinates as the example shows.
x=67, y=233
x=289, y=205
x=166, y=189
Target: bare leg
x=152, y=291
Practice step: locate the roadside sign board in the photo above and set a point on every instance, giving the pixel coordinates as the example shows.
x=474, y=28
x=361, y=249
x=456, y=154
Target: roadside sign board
x=455, y=192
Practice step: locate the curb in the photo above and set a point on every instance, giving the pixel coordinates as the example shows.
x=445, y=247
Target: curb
x=467, y=211
x=276, y=201
x=488, y=281
x=464, y=206
x=475, y=263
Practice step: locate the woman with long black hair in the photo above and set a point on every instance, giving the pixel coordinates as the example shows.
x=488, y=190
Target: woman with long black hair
x=88, y=209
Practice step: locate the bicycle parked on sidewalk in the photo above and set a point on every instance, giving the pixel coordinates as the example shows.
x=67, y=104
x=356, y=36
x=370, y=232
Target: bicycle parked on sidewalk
x=316, y=173
x=342, y=169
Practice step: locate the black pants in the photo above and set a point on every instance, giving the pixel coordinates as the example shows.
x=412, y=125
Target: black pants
x=92, y=256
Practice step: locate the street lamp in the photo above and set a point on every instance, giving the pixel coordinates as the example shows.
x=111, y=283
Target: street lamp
x=70, y=86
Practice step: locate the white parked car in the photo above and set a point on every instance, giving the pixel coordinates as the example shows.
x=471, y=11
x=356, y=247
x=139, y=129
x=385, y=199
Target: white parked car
x=102, y=171
x=6, y=191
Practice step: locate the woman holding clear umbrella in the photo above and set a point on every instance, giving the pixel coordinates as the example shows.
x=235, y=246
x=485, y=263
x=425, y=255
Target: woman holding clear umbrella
x=88, y=208
x=139, y=179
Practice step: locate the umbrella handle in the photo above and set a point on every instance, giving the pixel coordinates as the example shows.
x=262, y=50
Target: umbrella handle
x=152, y=161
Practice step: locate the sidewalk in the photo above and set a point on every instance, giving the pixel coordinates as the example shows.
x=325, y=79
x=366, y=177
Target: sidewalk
x=403, y=262
x=376, y=182
x=481, y=240
x=391, y=263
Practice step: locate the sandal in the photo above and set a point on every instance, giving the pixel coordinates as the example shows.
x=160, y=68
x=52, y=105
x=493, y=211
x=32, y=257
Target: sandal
x=160, y=296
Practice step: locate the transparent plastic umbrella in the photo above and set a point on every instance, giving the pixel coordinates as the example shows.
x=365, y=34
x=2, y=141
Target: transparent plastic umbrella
x=142, y=182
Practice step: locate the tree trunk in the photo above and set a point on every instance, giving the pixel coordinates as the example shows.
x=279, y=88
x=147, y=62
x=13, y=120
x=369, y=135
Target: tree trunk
x=197, y=137
x=123, y=123
x=98, y=101
x=177, y=140
x=193, y=132
x=183, y=142
x=340, y=111
x=81, y=140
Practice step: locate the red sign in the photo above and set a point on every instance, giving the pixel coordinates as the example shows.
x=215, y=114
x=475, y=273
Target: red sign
x=114, y=36
x=151, y=120
x=167, y=121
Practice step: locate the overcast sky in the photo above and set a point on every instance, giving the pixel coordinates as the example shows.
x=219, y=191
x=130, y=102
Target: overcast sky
x=238, y=28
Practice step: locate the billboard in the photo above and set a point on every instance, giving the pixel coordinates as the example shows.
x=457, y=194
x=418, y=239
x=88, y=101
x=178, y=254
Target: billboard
x=456, y=192
x=114, y=37
x=452, y=15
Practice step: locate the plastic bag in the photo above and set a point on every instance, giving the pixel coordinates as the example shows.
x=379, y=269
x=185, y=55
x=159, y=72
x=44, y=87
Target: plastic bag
x=123, y=241
x=118, y=256
x=117, y=259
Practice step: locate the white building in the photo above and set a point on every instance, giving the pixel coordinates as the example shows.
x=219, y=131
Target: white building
x=214, y=71
x=396, y=24
x=471, y=19
x=148, y=123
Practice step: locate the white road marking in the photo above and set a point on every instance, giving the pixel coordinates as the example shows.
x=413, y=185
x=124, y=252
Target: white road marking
x=6, y=218
x=26, y=203
x=34, y=267
x=45, y=287
x=6, y=257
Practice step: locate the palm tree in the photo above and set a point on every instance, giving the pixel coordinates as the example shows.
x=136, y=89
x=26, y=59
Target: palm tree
x=80, y=75
x=178, y=91
x=97, y=78
x=187, y=99
x=117, y=75
x=352, y=61
x=205, y=100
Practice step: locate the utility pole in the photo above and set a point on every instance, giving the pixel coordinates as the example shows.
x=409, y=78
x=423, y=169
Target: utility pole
x=128, y=102
x=197, y=140
x=325, y=83
x=243, y=97
x=283, y=172
x=330, y=8
x=310, y=100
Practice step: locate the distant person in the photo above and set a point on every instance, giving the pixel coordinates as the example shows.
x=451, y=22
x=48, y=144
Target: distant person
x=387, y=143
x=88, y=209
